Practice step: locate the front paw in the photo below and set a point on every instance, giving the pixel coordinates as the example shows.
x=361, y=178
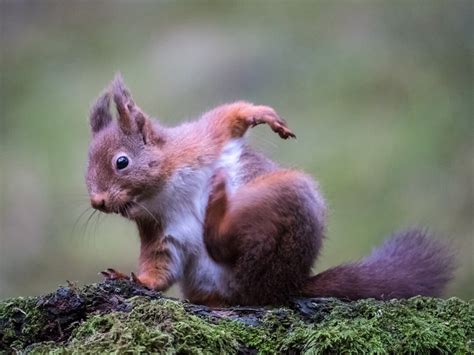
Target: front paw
x=112, y=274
x=142, y=281
x=150, y=282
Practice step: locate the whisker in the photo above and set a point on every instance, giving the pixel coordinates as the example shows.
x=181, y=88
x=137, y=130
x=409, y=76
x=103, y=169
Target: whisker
x=146, y=210
x=88, y=220
x=128, y=215
x=90, y=216
x=267, y=144
x=69, y=198
x=73, y=230
x=96, y=222
x=100, y=219
x=122, y=209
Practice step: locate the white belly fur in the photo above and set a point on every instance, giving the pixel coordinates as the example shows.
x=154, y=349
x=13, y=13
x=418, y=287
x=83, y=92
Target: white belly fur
x=184, y=208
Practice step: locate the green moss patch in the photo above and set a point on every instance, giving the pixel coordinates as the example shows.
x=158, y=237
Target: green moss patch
x=419, y=325
x=21, y=322
x=120, y=317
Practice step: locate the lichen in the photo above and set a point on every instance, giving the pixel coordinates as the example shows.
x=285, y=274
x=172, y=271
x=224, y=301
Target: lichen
x=119, y=317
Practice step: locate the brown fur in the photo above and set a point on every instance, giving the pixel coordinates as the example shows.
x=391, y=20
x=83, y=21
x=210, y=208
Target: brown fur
x=227, y=223
x=270, y=232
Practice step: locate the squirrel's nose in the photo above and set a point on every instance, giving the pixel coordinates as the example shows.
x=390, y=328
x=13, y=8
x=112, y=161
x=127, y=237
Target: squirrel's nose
x=98, y=201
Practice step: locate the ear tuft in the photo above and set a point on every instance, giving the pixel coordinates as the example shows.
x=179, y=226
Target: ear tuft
x=100, y=115
x=119, y=89
x=123, y=102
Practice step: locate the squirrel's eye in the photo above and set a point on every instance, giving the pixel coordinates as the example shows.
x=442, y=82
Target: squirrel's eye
x=121, y=162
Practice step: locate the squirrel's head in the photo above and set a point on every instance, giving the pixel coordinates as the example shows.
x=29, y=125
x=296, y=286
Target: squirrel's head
x=124, y=154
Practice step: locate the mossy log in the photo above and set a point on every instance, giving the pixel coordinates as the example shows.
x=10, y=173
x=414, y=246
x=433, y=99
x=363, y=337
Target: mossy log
x=122, y=317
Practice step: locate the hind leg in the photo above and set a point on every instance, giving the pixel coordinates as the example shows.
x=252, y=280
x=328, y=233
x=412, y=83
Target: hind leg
x=269, y=232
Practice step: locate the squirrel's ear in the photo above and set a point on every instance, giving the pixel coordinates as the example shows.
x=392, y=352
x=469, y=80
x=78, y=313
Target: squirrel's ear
x=123, y=102
x=100, y=115
x=146, y=129
x=130, y=116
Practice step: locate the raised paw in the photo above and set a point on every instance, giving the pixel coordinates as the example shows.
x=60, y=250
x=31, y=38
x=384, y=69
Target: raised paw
x=265, y=114
x=280, y=127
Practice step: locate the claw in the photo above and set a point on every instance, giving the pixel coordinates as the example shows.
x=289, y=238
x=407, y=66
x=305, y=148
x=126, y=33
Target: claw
x=279, y=126
x=282, y=130
x=134, y=278
x=285, y=134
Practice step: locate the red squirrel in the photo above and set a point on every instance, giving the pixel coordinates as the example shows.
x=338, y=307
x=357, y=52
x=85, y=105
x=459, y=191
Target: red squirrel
x=228, y=224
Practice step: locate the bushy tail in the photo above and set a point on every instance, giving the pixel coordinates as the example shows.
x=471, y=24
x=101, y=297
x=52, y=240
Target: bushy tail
x=409, y=263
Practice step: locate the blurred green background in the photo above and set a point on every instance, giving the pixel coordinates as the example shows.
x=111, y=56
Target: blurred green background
x=378, y=93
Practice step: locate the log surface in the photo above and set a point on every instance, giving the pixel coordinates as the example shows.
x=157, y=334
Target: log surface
x=120, y=316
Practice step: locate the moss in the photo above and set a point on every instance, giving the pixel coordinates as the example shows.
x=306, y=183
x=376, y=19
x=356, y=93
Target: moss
x=20, y=322
x=152, y=326
x=419, y=325
x=119, y=317
x=267, y=337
